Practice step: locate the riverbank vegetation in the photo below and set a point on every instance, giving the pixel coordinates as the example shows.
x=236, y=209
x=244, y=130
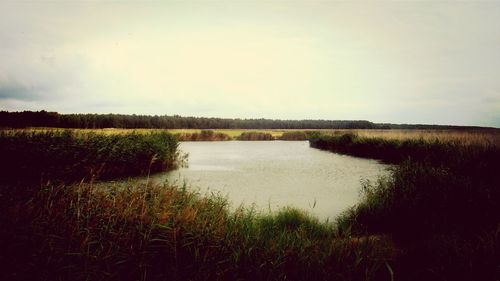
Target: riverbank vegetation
x=143, y=231
x=255, y=136
x=203, y=135
x=477, y=136
x=72, y=156
x=295, y=135
x=436, y=218
x=441, y=205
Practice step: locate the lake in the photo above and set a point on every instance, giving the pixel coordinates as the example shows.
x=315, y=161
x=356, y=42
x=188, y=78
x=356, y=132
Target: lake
x=275, y=174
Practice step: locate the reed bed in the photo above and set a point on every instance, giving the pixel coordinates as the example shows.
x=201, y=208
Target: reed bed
x=441, y=204
x=464, y=136
x=437, y=217
x=485, y=137
x=203, y=135
x=295, y=136
x=255, y=136
x=144, y=231
x=72, y=156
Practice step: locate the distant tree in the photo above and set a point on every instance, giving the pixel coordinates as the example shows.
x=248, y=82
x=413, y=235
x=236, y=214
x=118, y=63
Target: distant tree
x=92, y=121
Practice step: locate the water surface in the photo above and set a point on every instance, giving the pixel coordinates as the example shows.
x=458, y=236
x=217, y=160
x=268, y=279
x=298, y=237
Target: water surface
x=274, y=174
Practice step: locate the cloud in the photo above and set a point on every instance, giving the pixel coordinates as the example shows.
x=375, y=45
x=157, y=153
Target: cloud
x=387, y=62
x=16, y=91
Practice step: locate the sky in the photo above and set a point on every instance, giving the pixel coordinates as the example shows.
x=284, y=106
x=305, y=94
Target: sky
x=419, y=62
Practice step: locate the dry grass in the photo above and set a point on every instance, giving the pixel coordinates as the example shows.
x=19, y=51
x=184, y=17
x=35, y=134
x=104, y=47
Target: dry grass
x=233, y=133
x=143, y=231
x=466, y=137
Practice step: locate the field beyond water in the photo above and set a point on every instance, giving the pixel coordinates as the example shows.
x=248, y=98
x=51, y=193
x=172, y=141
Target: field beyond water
x=479, y=136
x=436, y=218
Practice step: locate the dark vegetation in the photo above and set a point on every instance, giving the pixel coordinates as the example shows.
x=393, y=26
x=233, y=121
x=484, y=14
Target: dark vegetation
x=204, y=135
x=441, y=206
x=70, y=156
x=295, y=135
x=95, y=121
x=151, y=232
x=53, y=230
x=436, y=218
x=253, y=136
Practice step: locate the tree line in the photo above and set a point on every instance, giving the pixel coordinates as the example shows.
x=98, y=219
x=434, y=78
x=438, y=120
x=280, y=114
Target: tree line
x=44, y=118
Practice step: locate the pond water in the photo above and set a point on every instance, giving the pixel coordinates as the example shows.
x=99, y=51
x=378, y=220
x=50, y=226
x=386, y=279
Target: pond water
x=275, y=174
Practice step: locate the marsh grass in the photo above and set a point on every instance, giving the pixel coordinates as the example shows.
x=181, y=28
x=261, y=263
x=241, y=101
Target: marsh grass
x=255, y=136
x=435, y=218
x=144, y=231
x=482, y=137
x=203, y=135
x=34, y=156
x=463, y=136
x=440, y=205
x=295, y=135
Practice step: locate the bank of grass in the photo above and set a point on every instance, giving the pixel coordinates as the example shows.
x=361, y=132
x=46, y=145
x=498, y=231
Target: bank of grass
x=441, y=205
x=203, y=135
x=295, y=135
x=232, y=133
x=53, y=230
x=144, y=231
x=476, y=136
x=486, y=137
x=255, y=136
x=35, y=156
x=436, y=218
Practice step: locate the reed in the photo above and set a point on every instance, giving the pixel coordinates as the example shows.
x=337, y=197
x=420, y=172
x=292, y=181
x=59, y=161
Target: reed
x=486, y=137
x=203, y=135
x=255, y=136
x=144, y=231
x=72, y=156
x=294, y=136
x=440, y=204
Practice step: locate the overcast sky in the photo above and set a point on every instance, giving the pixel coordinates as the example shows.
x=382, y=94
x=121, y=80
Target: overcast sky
x=400, y=62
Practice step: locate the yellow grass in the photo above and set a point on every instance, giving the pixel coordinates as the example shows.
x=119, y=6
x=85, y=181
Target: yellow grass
x=231, y=132
x=466, y=137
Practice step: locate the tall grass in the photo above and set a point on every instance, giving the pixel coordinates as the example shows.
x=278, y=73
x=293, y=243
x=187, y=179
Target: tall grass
x=441, y=205
x=255, y=136
x=294, y=136
x=203, y=135
x=143, y=231
x=487, y=137
x=73, y=156
x=396, y=151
